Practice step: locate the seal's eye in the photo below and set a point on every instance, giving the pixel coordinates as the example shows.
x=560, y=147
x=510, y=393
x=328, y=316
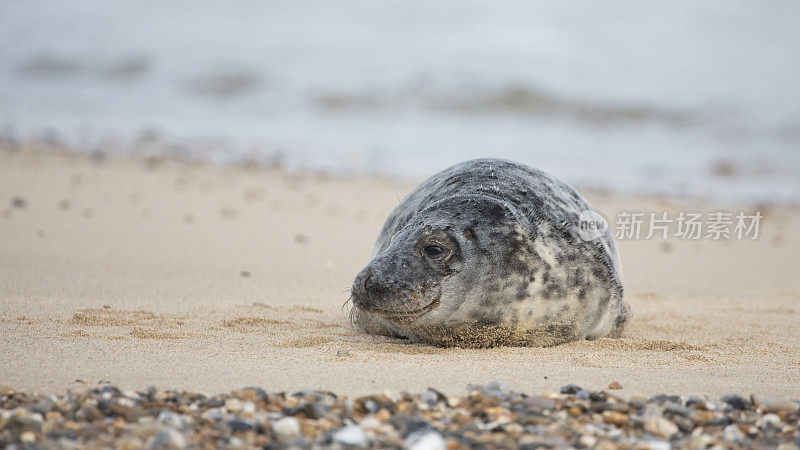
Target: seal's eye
x=433, y=251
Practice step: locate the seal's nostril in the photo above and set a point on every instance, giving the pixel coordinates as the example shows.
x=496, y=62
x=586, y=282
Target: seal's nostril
x=360, y=293
x=365, y=276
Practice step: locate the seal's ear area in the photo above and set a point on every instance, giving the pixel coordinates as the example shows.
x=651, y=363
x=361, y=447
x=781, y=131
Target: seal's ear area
x=469, y=234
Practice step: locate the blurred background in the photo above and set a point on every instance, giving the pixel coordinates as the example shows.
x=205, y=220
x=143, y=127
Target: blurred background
x=677, y=98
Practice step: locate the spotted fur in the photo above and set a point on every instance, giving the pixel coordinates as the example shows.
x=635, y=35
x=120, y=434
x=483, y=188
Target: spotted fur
x=513, y=269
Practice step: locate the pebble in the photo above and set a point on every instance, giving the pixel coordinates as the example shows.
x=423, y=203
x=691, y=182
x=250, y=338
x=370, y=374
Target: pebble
x=736, y=401
x=661, y=427
x=495, y=389
x=168, y=439
x=241, y=425
x=490, y=416
x=27, y=437
x=539, y=402
x=769, y=420
x=233, y=405
x=286, y=429
x=123, y=406
x=732, y=433
x=351, y=435
x=588, y=441
x=425, y=440
x=781, y=406
x=614, y=385
x=570, y=389
x=170, y=419
x=615, y=418
x=674, y=408
x=429, y=396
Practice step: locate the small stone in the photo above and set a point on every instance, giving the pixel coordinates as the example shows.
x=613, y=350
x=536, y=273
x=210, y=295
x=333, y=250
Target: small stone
x=495, y=389
x=168, y=438
x=583, y=394
x=428, y=396
x=122, y=406
x=781, y=406
x=248, y=408
x=64, y=204
x=244, y=274
x=701, y=439
x=425, y=440
x=570, y=389
x=662, y=398
x=370, y=423
x=286, y=429
x=28, y=437
x=736, y=401
x=615, y=418
x=588, y=441
x=697, y=402
x=674, y=408
x=684, y=424
x=769, y=421
x=233, y=405
x=241, y=425
x=118, y=425
x=658, y=445
x=514, y=430
x=732, y=433
x=18, y=202
x=539, y=403
x=614, y=385
x=703, y=417
x=383, y=415
x=660, y=427
x=309, y=410
x=310, y=428
x=170, y=419
x=253, y=393
x=351, y=435
x=637, y=401
x=213, y=415
x=22, y=419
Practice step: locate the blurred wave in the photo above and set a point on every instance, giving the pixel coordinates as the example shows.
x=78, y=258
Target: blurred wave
x=680, y=98
x=509, y=100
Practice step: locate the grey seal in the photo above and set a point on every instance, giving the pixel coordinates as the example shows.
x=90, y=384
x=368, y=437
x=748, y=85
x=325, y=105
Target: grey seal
x=490, y=252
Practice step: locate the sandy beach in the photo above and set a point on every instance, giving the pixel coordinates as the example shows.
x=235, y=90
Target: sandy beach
x=147, y=272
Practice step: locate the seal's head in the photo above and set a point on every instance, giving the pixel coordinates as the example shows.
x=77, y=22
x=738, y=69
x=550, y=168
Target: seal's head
x=445, y=271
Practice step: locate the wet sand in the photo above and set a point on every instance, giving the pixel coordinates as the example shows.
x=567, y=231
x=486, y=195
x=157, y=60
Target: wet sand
x=187, y=276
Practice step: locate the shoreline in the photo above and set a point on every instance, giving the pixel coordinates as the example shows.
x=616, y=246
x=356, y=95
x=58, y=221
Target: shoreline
x=275, y=162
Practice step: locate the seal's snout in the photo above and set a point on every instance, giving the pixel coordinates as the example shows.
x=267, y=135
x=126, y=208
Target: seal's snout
x=359, y=290
x=371, y=291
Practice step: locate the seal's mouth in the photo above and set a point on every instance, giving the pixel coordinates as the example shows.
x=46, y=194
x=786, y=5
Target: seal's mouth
x=404, y=315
